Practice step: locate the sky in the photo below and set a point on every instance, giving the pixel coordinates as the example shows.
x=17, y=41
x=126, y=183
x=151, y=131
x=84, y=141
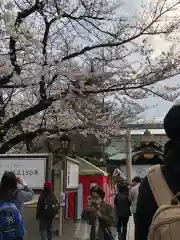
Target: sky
x=157, y=113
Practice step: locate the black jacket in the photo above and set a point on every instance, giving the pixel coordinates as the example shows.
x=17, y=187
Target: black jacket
x=122, y=204
x=146, y=204
x=41, y=204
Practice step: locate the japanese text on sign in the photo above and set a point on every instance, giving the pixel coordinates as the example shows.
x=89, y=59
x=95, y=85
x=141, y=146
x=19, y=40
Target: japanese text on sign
x=31, y=169
x=72, y=175
x=24, y=172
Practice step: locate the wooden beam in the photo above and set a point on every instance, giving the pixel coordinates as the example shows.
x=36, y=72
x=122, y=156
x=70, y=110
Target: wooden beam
x=142, y=126
x=154, y=138
x=141, y=137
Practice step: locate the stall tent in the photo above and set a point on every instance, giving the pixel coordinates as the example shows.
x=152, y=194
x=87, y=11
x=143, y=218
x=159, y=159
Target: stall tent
x=89, y=176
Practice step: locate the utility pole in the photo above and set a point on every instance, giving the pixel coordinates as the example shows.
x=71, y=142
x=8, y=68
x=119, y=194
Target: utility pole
x=64, y=146
x=129, y=156
x=64, y=141
x=61, y=189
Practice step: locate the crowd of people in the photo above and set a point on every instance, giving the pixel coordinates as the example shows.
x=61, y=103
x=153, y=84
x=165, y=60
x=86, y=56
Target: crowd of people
x=14, y=192
x=98, y=213
x=154, y=202
x=104, y=215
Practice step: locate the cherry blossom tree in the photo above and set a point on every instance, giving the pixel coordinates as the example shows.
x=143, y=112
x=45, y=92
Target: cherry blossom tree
x=82, y=65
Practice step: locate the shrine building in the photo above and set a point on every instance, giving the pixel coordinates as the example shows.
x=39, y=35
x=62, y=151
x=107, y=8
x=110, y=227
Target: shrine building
x=137, y=149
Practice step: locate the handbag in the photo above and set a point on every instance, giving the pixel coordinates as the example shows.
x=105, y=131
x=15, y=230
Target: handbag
x=108, y=234
x=83, y=231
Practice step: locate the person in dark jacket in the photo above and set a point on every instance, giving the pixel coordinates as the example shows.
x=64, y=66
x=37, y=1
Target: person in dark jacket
x=122, y=209
x=146, y=204
x=45, y=222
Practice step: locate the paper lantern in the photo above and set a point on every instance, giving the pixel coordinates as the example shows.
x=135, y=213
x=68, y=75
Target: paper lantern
x=148, y=155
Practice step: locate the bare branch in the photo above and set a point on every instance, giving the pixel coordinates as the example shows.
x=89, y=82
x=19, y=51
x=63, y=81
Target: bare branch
x=26, y=136
x=22, y=137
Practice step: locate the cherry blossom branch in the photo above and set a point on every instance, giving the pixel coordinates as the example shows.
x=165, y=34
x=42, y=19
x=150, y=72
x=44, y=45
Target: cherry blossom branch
x=31, y=135
x=28, y=141
x=5, y=79
x=24, y=136
x=119, y=40
x=42, y=105
x=44, y=52
x=12, y=42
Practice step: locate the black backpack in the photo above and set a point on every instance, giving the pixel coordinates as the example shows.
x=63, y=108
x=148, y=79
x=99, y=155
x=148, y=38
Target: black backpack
x=122, y=205
x=51, y=207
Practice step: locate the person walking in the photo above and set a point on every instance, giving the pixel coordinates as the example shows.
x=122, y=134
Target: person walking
x=133, y=195
x=99, y=214
x=47, y=208
x=11, y=201
x=122, y=208
x=160, y=182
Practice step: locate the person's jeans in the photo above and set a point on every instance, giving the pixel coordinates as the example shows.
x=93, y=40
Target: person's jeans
x=122, y=227
x=45, y=229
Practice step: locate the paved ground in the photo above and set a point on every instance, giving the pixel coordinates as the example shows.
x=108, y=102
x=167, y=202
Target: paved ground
x=31, y=226
x=69, y=227
x=130, y=232
x=130, y=235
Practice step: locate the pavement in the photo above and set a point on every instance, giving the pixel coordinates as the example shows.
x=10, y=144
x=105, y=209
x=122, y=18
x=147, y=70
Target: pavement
x=31, y=225
x=130, y=233
x=32, y=232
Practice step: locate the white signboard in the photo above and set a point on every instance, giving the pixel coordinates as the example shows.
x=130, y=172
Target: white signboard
x=72, y=175
x=137, y=170
x=31, y=169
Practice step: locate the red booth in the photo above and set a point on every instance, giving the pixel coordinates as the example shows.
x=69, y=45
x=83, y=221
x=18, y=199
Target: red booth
x=90, y=175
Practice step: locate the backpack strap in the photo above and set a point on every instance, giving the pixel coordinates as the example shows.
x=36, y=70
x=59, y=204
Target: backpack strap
x=161, y=191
